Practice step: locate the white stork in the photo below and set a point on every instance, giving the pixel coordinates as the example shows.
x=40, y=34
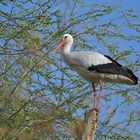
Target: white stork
x=95, y=67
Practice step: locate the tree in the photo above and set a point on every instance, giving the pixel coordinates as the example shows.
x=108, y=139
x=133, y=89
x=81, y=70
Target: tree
x=41, y=98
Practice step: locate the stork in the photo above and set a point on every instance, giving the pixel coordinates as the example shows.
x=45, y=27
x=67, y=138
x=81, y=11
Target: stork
x=95, y=67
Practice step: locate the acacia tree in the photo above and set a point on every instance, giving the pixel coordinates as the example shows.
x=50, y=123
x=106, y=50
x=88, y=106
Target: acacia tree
x=41, y=97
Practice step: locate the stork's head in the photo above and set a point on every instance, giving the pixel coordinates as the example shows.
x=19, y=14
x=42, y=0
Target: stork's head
x=67, y=40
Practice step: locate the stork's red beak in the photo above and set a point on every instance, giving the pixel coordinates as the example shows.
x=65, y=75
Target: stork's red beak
x=59, y=46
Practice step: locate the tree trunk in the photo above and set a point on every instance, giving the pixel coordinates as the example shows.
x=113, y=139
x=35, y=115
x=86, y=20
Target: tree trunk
x=91, y=119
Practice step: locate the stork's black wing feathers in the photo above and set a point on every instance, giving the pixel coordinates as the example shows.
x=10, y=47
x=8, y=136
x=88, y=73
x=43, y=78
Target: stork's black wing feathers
x=114, y=68
x=112, y=60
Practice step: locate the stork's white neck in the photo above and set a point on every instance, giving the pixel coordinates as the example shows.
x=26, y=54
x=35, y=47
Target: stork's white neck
x=67, y=48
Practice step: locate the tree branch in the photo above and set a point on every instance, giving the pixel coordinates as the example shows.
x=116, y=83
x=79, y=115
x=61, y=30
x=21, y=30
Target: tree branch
x=91, y=119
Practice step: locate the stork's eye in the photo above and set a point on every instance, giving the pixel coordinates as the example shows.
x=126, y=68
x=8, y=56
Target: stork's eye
x=65, y=36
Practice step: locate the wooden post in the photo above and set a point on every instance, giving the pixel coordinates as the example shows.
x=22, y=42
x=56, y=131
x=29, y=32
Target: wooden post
x=91, y=119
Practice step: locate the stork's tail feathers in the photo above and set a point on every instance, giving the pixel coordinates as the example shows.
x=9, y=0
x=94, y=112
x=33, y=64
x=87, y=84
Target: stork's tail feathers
x=124, y=71
x=132, y=76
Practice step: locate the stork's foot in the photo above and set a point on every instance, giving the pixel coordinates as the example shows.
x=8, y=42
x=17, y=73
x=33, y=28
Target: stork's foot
x=96, y=109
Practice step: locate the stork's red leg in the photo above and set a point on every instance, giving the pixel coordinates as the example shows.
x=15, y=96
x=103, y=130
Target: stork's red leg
x=101, y=92
x=95, y=94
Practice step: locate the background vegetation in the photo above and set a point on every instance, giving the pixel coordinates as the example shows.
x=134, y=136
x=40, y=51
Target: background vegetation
x=40, y=96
